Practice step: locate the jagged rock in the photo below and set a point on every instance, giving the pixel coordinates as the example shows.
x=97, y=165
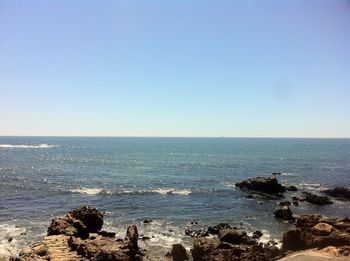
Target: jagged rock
x=284, y=213
x=196, y=233
x=78, y=223
x=284, y=203
x=317, y=200
x=91, y=218
x=133, y=235
x=338, y=192
x=216, y=229
x=179, y=253
x=267, y=185
x=230, y=236
x=317, y=231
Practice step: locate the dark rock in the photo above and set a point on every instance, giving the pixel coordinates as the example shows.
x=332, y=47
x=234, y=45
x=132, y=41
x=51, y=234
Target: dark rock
x=291, y=188
x=257, y=234
x=106, y=233
x=10, y=239
x=284, y=203
x=133, y=235
x=216, y=229
x=91, y=218
x=179, y=253
x=145, y=238
x=147, y=221
x=268, y=185
x=230, y=236
x=194, y=222
x=317, y=200
x=338, y=192
x=295, y=203
x=284, y=213
x=276, y=173
x=296, y=198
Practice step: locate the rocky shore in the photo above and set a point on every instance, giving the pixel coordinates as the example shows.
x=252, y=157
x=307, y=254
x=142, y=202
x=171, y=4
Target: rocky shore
x=79, y=236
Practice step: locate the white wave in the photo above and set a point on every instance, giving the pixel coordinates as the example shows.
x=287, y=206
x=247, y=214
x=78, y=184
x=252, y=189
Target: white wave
x=171, y=191
x=288, y=174
x=7, y=248
x=90, y=191
x=25, y=146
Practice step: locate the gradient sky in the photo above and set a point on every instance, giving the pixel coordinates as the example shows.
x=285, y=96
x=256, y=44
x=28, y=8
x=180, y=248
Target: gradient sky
x=175, y=68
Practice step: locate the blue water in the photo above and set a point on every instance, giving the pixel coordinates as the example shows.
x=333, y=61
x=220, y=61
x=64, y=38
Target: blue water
x=170, y=180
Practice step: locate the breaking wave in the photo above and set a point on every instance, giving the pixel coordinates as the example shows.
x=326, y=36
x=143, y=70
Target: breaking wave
x=162, y=191
x=25, y=146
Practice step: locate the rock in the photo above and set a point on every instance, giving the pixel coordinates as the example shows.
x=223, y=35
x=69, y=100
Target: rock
x=79, y=223
x=296, y=198
x=257, y=234
x=338, y=192
x=10, y=239
x=230, y=236
x=104, y=249
x=147, y=221
x=291, y=188
x=317, y=200
x=216, y=229
x=196, y=233
x=105, y=233
x=295, y=203
x=145, y=238
x=179, y=253
x=91, y=218
x=267, y=185
x=276, y=173
x=133, y=235
x=316, y=231
x=284, y=203
x=284, y=213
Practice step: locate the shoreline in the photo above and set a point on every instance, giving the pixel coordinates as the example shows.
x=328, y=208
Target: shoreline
x=223, y=239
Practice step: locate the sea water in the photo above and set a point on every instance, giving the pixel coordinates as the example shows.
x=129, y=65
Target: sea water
x=173, y=181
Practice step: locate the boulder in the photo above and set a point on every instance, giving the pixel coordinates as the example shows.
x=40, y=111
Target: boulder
x=267, y=185
x=91, y=218
x=257, y=234
x=317, y=200
x=216, y=229
x=133, y=235
x=338, y=192
x=179, y=252
x=284, y=213
x=230, y=236
x=291, y=188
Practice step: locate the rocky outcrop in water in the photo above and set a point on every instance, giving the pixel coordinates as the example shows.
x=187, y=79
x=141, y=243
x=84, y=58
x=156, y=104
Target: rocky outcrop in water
x=284, y=213
x=339, y=193
x=316, y=200
x=266, y=185
x=78, y=236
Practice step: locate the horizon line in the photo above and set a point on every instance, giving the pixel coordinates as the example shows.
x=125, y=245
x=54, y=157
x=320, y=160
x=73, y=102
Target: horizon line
x=140, y=136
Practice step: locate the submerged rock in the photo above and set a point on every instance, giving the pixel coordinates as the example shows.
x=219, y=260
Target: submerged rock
x=338, y=192
x=267, y=185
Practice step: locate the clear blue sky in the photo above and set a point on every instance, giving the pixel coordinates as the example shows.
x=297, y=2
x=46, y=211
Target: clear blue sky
x=175, y=68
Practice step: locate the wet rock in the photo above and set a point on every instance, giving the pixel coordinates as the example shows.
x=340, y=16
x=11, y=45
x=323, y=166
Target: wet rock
x=317, y=200
x=144, y=238
x=147, y=221
x=179, y=252
x=295, y=203
x=338, y=192
x=10, y=239
x=317, y=231
x=105, y=233
x=284, y=213
x=291, y=188
x=230, y=236
x=196, y=232
x=276, y=173
x=257, y=234
x=268, y=185
x=216, y=229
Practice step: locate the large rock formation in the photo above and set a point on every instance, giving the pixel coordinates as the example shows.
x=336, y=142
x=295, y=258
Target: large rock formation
x=316, y=200
x=266, y=185
x=316, y=231
x=78, y=236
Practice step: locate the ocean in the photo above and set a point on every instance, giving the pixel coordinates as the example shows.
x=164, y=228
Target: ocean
x=173, y=181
